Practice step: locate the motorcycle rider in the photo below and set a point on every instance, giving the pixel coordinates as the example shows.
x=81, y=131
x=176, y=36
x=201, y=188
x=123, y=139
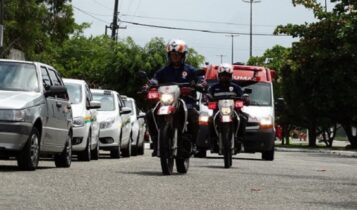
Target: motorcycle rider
x=177, y=71
x=225, y=87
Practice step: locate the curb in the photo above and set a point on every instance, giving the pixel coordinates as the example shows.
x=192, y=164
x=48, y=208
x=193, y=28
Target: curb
x=332, y=152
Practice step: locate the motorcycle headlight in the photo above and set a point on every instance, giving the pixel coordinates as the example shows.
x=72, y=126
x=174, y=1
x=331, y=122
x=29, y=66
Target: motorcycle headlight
x=78, y=121
x=266, y=122
x=12, y=115
x=226, y=110
x=107, y=123
x=167, y=98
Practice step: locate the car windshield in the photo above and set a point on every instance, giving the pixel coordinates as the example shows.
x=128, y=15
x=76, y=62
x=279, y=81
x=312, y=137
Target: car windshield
x=261, y=94
x=129, y=104
x=107, y=101
x=74, y=92
x=18, y=77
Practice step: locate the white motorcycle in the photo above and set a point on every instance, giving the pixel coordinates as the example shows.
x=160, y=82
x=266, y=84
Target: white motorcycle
x=226, y=122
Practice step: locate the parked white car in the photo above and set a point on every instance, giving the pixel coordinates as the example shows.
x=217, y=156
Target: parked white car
x=85, y=142
x=35, y=114
x=114, y=121
x=138, y=126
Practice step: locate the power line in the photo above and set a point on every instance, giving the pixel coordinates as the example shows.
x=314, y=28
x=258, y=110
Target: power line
x=197, y=30
x=188, y=20
x=91, y=15
x=104, y=6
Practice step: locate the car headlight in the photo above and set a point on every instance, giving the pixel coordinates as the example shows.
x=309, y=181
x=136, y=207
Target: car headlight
x=266, y=122
x=167, y=98
x=226, y=110
x=17, y=115
x=107, y=123
x=78, y=121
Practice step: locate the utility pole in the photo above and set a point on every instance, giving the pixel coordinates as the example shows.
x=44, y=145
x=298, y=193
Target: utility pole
x=1, y=22
x=221, y=55
x=232, y=35
x=325, y=5
x=251, y=25
x=114, y=25
x=115, y=20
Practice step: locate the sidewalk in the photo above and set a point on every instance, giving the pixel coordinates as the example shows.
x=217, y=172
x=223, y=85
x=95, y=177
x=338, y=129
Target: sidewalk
x=336, y=143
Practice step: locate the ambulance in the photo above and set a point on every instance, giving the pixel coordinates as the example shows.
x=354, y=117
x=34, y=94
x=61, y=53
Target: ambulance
x=260, y=129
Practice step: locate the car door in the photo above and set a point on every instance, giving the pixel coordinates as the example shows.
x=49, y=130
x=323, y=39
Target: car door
x=126, y=125
x=93, y=114
x=62, y=112
x=49, y=122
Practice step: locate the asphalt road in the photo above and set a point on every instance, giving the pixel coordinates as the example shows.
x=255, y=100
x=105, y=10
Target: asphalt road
x=293, y=181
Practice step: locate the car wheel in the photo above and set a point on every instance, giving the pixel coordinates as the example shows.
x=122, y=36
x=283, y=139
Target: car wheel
x=64, y=159
x=115, y=153
x=268, y=155
x=95, y=152
x=127, y=152
x=141, y=149
x=135, y=148
x=86, y=154
x=29, y=157
x=201, y=153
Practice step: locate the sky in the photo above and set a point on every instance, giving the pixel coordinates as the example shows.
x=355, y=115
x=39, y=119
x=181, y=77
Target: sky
x=231, y=16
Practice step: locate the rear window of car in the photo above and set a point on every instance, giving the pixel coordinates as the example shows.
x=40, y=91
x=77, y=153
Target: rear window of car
x=107, y=101
x=74, y=92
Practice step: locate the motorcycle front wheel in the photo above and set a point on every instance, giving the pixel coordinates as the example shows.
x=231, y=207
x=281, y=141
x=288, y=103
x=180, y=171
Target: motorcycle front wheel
x=166, y=158
x=226, y=136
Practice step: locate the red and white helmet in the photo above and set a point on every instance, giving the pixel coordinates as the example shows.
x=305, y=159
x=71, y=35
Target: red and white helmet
x=225, y=68
x=176, y=45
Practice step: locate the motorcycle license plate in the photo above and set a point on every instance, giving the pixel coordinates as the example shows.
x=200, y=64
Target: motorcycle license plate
x=226, y=118
x=164, y=110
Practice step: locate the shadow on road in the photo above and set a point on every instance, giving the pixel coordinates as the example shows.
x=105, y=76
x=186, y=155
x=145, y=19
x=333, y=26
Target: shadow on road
x=14, y=168
x=148, y=173
x=339, y=205
x=234, y=158
x=218, y=167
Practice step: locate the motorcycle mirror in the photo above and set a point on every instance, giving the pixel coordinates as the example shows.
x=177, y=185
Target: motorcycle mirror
x=200, y=72
x=142, y=75
x=247, y=91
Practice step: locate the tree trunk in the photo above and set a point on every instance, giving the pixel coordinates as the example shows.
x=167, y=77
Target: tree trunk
x=312, y=136
x=285, y=138
x=350, y=136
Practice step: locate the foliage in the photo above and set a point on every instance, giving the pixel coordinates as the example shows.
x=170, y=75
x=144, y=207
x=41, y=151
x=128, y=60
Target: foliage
x=274, y=58
x=104, y=63
x=319, y=79
x=34, y=26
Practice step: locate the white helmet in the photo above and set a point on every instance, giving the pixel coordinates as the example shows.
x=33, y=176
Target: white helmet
x=225, y=68
x=176, y=45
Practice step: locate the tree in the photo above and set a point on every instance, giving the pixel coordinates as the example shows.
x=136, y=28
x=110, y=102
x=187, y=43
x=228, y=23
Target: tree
x=35, y=26
x=319, y=79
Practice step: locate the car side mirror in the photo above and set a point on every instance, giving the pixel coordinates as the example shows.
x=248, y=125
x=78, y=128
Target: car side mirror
x=280, y=105
x=141, y=115
x=200, y=72
x=125, y=110
x=246, y=99
x=55, y=90
x=95, y=105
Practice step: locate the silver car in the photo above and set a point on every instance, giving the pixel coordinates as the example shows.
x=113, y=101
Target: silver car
x=35, y=114
x=138, y=126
